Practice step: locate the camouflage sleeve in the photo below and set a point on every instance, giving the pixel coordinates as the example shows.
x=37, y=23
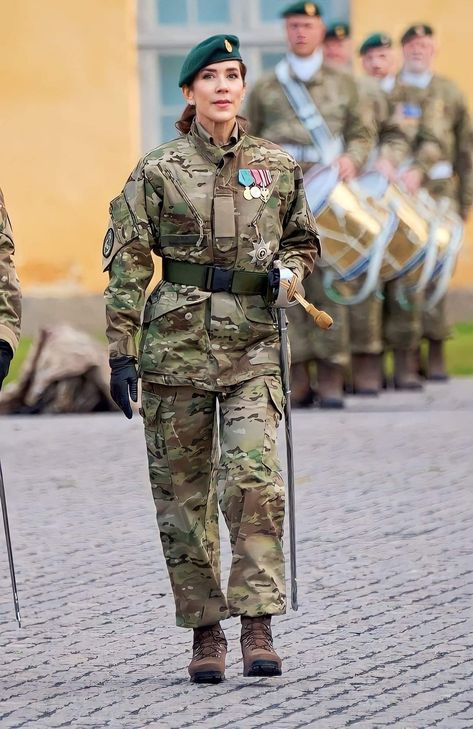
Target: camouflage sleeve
x=10, y=296
x=128, y=260
x=300, y=242
x=358, y=134
x=463, y=162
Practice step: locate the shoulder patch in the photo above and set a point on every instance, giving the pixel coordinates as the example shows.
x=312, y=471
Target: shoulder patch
x=108, y=243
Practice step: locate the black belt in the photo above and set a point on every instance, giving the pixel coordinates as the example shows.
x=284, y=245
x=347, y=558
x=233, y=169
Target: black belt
x=213, y=278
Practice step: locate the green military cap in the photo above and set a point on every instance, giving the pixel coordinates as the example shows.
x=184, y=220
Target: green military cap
x=416, y=31
x=211, y=50
x=310, y=9
x=338, y=30
x=375, y=40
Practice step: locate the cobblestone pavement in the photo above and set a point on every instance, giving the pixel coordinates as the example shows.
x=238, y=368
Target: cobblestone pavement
x=383, y=637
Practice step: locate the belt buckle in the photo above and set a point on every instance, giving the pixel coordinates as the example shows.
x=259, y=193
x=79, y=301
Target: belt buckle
x=219, y=279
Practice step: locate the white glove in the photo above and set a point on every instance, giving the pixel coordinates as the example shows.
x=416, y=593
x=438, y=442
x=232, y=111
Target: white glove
x=282, y=295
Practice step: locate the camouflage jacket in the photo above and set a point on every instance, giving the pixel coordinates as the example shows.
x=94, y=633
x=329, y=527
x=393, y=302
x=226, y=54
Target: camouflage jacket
x=438, y=126
x=10, y=297
x=391, y=141
x=335, y=95
x=184, y=202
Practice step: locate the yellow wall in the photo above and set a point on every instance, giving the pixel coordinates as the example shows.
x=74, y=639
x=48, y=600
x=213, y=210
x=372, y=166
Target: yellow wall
x=68, y=133
x=452, y=21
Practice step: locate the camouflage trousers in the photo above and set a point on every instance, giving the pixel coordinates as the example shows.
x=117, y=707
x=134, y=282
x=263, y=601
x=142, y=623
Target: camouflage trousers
x=197, y=459
x=308, y=342
x=366, y=325
x=374, y=324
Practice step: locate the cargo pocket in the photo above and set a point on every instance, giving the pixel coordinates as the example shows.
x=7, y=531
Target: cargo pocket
x=274, y=413
x=174, y=333
x=151, y=405
x=261, y=318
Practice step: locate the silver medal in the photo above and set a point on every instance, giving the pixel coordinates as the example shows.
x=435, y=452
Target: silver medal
x=261, y=251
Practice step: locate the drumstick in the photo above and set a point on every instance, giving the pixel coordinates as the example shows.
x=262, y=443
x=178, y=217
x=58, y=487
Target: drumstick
x=321, y=318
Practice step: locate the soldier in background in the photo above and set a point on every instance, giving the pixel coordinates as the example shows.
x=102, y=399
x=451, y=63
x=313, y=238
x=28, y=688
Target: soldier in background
x=398, y=326
x=442, y=156
x=271, y=116
x=10, y=296
x=338, y=46
x=433, y=114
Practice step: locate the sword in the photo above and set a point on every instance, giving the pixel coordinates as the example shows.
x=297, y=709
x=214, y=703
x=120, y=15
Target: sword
x=324, y=321
x=9, y=548
x=284, y=360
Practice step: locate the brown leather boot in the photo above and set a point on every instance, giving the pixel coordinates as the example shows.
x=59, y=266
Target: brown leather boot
x=436, y=369
x=301, y=391
x=406, y=370
x=329, y=385
x=209, y=653
x=259, y=656
x=366, y=374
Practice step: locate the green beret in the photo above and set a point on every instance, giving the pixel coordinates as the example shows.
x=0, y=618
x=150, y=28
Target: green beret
x=211, y=50
x=310, y=9
x=375, y=40
x=338, y=30
x=416, y=31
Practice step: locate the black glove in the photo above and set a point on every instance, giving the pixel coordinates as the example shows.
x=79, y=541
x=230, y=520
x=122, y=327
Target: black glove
x=6, y=354
x=124, y=378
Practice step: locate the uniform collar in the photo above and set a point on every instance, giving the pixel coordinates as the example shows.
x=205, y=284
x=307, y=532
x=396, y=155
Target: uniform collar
x=420, y=80
x=204, y=142
x=203, y=133
x=306, y=68
x=387, y=83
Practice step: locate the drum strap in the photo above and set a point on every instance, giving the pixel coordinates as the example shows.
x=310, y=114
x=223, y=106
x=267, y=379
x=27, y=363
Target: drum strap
x=308, y=114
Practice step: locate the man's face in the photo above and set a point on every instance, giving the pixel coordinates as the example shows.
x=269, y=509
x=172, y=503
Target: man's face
x=304, y=34
x=378, y=62
x=337, y=51
x=419, y=54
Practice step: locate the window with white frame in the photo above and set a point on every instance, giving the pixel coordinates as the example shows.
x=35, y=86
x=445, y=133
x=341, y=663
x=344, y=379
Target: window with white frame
x=167, y=29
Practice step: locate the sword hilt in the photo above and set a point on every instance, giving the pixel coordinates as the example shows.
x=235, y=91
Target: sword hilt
x=321, y=318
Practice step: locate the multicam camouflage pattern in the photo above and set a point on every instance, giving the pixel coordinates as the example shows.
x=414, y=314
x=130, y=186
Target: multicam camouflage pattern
x=184, y=202
x=438, y=126
x=10, y=296
x=180, y=434
x=335, y=95
x=308, y=343
x=365, y=321
x=390, y=140
x=271, y=116
x=402, y=322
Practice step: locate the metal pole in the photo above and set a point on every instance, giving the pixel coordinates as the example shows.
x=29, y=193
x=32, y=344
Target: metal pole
x=9, y=548
x=284, y=358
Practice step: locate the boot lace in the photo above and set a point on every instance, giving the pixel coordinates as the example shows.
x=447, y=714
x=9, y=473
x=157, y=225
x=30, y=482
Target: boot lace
x=209, y=642
x=256, y=634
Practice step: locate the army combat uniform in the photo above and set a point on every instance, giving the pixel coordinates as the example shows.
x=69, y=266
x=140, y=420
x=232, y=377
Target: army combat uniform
x=210, y=339
x=438, y=125
x=271, y=116
x=10, y=297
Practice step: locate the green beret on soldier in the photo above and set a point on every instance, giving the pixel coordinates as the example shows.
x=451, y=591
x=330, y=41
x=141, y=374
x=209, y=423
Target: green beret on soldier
x=375, y=40
x=417, y=31
x=212, y=50
x=338, y=30
x=310, y=9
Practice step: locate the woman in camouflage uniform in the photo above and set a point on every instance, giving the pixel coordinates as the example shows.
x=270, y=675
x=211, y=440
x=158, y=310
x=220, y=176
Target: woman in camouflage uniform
x=10, y=296
x=218, y=206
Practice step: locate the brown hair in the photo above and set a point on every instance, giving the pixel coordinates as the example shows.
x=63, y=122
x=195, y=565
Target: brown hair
x=184, y=122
